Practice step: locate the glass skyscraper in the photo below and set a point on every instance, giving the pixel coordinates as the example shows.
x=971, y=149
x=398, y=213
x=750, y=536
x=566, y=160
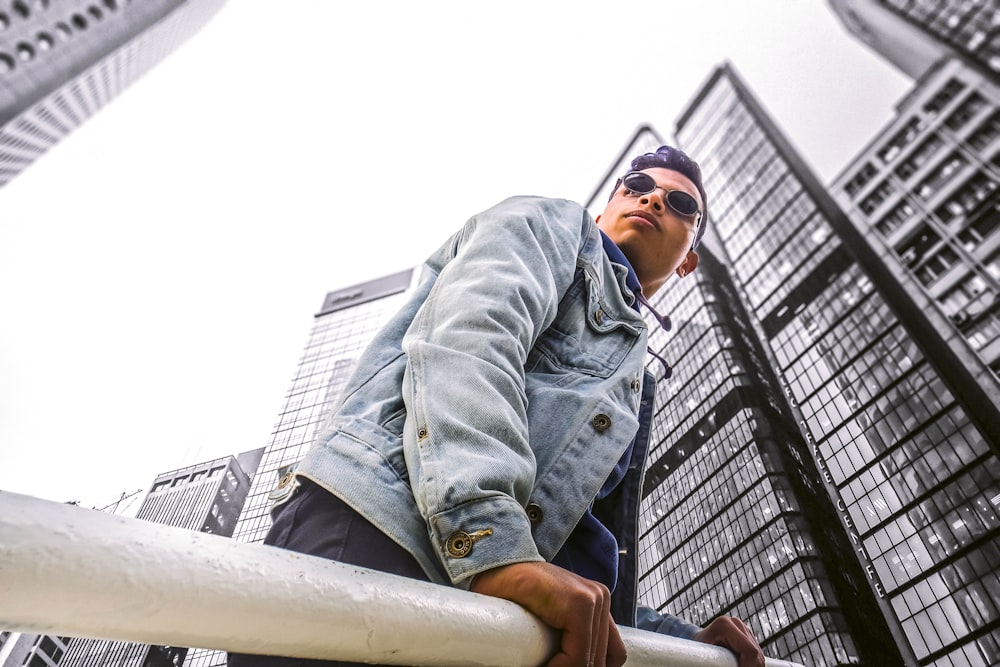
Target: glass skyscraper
x=734, y=519
x=344, y=326
x=909, y=466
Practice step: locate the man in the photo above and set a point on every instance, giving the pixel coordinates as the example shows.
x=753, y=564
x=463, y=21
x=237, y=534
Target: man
x=494, y=433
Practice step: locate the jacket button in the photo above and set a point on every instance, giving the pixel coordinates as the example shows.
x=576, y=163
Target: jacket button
x=636, y=385
x=534, y=512
x=599, y=316
x=459, y=545
x=601, y=423
x=286, y=479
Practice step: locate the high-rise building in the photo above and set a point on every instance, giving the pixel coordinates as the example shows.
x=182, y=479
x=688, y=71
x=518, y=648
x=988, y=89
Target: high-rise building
x=28, y=650
x=345, y=324
x=734, y=518
x=62, y=60
x=924, y=193
x=903, y=453
x=205, y=497
x=915, y=34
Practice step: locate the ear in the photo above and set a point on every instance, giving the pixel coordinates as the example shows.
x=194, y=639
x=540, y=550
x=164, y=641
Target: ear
x=689, y=264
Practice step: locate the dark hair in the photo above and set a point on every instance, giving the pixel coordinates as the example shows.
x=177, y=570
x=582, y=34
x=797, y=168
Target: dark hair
x=668, y=157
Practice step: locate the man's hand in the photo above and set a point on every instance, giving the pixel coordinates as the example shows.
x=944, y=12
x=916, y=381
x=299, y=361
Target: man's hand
x=731, y=633
x=578, y=607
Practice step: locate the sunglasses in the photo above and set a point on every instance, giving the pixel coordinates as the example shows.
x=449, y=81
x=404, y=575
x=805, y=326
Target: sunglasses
x=681, y=202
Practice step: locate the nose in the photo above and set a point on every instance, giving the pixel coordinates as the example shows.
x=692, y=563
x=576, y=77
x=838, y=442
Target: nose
x=654, y=199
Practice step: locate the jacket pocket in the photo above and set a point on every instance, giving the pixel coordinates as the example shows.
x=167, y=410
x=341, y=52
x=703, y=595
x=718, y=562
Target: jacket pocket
x=589, y=334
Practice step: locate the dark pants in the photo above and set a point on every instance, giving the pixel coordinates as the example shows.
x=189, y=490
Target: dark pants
x=318, y=523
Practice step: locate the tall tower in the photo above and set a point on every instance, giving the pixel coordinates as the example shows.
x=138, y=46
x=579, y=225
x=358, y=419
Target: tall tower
x=205, y=497
x=925, y=195
x=734, y=518
x=346, y=323
x=914, y=34
x=904, y=457
x=62, y=60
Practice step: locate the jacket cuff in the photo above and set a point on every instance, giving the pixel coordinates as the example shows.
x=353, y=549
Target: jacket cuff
x=481, y=535
x=664, y=624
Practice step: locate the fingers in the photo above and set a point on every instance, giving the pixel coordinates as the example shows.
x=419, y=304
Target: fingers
x=578, y=607
x=733, y=634
x=616, y=648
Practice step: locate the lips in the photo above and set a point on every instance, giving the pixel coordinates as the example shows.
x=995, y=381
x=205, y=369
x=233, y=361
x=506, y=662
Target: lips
x=645, y=216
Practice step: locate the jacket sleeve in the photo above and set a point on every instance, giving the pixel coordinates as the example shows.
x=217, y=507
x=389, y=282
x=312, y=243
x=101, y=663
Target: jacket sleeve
x=664, y=624
x=465, y=440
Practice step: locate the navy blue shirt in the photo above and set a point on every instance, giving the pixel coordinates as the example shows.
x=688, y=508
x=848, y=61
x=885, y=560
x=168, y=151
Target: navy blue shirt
x=591, y=550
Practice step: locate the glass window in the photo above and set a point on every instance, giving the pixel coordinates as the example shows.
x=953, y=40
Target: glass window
x=862, y=178
x=900, y=140
x=912, y=250
x=972, y=105
x=930, y=185
x=892, y=220
x=919, y=157
x=944, y=97
x=937, y=265
x=876, y=197
x=986, y=133
x=980, y=228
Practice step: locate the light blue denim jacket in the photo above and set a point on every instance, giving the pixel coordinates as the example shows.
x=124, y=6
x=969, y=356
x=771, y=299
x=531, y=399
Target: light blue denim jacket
x=521, y=365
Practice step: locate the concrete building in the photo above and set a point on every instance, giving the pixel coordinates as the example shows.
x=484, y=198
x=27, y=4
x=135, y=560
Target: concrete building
x=205, y=497
x=924, y=194
x=915, y=34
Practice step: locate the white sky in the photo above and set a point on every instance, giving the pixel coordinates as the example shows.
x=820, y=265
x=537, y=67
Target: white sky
x=159, y=268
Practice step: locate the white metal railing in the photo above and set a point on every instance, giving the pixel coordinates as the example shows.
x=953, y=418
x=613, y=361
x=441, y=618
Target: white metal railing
x=77, y=572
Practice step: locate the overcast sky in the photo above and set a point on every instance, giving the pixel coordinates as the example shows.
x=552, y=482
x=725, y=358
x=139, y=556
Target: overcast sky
x=160, y=267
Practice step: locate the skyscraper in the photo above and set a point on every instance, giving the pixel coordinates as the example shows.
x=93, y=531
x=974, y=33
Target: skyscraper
x=901, y=450
x=62, y=60
x=205, y=497
x=734, y=519
x=28, y=650
x=924, y=194
x=915, y=34
x=346, y=322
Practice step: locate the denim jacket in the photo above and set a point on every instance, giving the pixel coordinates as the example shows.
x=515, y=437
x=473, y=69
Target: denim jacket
x=482, y=420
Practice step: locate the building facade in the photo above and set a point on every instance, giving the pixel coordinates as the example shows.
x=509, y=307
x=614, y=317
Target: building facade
x=205, y=497
x=915, y=34
x=62, y=60
x=28, y=650
x=924, y=194
x=734, y=518
x=345, y=324
x=902, y=451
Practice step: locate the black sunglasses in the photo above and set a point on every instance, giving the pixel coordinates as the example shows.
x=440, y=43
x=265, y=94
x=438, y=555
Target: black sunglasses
x=681, y=202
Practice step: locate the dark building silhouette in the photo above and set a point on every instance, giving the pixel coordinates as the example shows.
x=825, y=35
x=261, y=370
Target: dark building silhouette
x=62, y=60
